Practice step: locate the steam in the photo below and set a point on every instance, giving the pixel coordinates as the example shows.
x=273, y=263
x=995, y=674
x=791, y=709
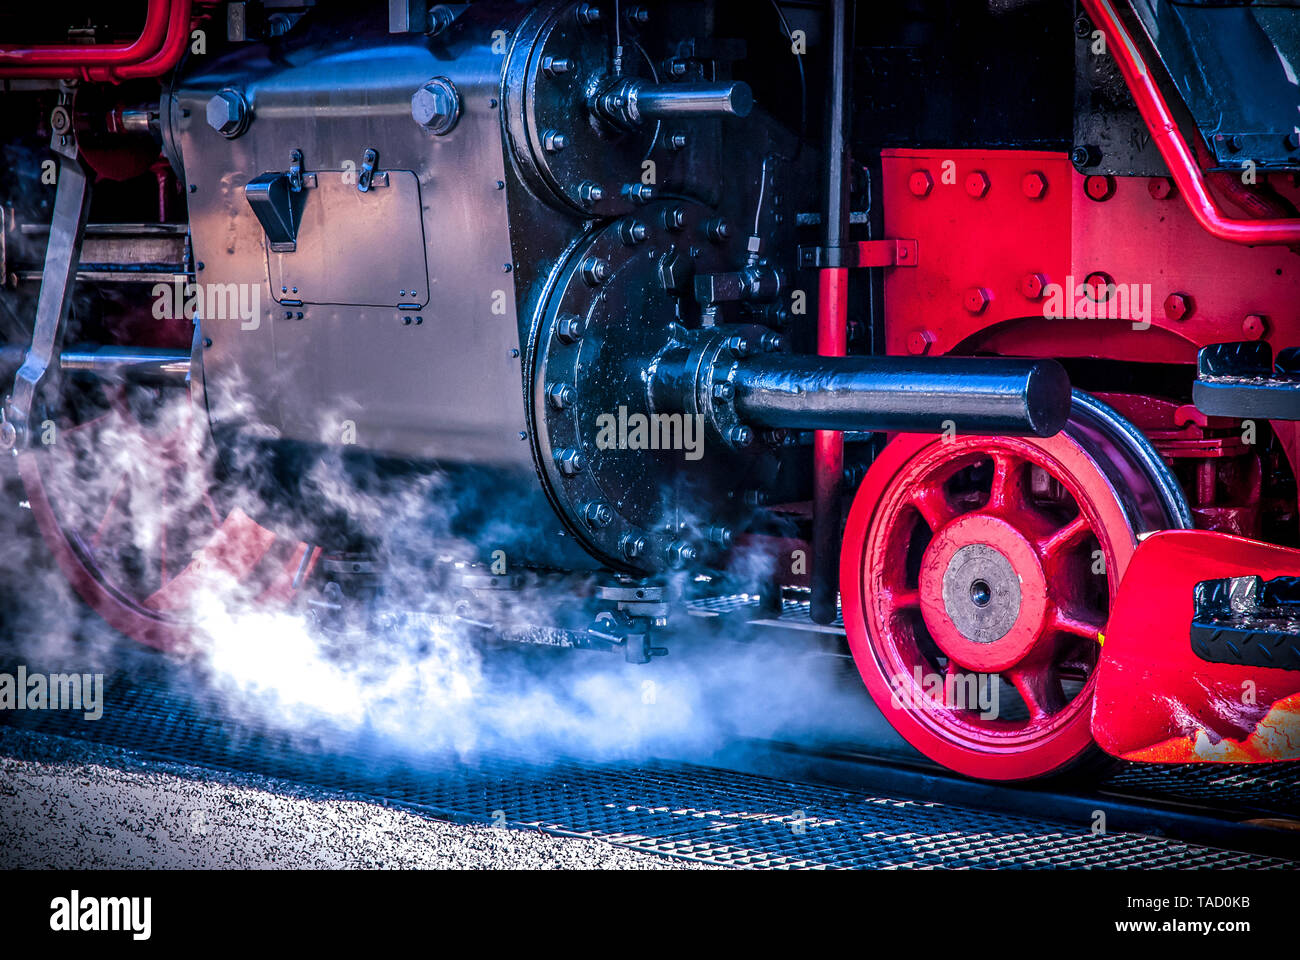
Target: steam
x=135, y=480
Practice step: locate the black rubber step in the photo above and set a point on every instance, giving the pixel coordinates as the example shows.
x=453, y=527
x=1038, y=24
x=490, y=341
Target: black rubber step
x=1241, y=379
x=1248, y=621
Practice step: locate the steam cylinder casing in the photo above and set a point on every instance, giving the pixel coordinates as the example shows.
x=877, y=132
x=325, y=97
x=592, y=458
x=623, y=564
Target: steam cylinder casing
x=416, y=320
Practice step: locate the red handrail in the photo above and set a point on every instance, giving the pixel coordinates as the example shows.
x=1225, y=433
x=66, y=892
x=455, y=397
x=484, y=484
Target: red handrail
x=1172, y=145
x=150, y=41
x=164, y=56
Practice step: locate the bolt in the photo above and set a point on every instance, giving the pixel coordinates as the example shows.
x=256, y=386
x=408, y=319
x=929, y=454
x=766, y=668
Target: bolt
x=61, y=119
x=590, y=192
x=1098, y=286
x=570, y=327
x=436, y=106
x=1178, y=306
x=1160, y=188
x=676, y=141
x=1082, y=27
x=680, y=553
x=919, y=342
x=570, y=461
x=1292, y=140
x=1032, y=285
x=1099, y=188
x=554, y=66
x=772, y=342
x=717, y=229
x=720, y=535
x=632, y=546
x=724, y=390
x=737, y=345
x=560, y=395
x=595, y=271
x=675, y=218
x=1034, y=184
x=587, y=14
x=228, y=113
x=639, y=192
x=633, y=232
x=1233, y=142
x=637, y=15
x=1254, y=326
x=553, y=141
x=977, y=184
x=976, y=299
x=920, y=183
x=1085, y=157
x=740, y=436
x=597, y=513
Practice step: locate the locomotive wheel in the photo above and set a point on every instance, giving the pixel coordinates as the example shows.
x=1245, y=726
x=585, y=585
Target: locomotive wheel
x=993, y=560
x=121, y=501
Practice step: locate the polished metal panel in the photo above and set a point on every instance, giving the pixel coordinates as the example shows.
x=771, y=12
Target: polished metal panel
x=345, y=245
x=439, y=380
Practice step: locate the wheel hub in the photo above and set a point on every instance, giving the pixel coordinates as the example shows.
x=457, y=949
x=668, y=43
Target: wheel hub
x=983, y=593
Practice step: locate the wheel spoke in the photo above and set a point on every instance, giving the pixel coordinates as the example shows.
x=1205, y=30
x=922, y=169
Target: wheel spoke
x=98, y=535
x=1007, y=492
x=903, y=598
x=1076, y=626
x=1064, y=538
x=1040, y=687
x=932, y=502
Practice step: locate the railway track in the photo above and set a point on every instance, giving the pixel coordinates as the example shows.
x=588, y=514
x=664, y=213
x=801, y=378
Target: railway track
x=758, y=804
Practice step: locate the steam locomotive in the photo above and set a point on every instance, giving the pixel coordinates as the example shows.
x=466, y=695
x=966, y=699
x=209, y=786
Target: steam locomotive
x=972, y=322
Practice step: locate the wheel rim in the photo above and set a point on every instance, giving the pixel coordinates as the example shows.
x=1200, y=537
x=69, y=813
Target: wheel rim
x=977, y=576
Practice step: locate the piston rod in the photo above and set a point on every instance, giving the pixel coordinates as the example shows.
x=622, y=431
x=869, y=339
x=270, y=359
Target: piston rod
x=973, y=394
x=110, y=363
x=631, y=103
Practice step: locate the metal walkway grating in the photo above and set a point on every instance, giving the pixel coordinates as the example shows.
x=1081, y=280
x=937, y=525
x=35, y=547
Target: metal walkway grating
x=680, y=810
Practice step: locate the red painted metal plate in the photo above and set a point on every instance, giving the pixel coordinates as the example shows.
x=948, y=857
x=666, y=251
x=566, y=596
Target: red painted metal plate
x=1155, y=699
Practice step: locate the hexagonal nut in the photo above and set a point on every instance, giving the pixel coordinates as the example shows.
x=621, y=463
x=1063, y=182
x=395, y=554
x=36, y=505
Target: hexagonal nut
x=1099, y=188
x=1254, y=326
x=436, y=106
x=1160, y=188
x=227, y=113
x=1034, y=185
x=976, y=299
x=920, y=183
x=1033, y=285
x=920, y=342
x=1178, y=306
x=977, y=184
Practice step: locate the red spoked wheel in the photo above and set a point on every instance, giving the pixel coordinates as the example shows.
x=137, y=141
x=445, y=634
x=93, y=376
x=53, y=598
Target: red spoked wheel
x=121, y=497
x=976, y=577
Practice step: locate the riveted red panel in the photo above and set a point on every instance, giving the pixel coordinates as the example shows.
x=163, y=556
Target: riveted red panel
x=983, y=253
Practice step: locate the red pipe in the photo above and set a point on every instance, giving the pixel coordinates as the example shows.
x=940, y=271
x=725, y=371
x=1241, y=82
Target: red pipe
x=171, y=48
x=828, y=445
x=1173, y=147
x=146, y=45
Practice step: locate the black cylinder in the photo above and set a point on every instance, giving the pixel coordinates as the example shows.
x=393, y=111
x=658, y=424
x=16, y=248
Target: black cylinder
x=976, y=394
